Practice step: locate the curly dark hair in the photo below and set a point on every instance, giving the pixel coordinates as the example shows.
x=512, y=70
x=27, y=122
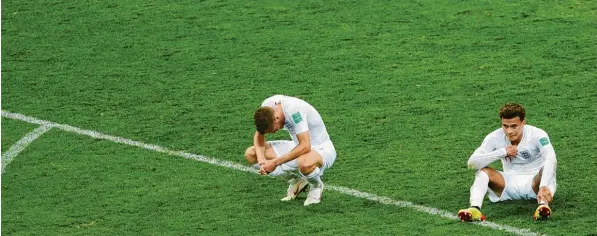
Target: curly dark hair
x=511, y=110
x=264, y=119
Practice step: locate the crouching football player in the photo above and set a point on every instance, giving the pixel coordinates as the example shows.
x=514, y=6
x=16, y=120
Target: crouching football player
x=301, y=161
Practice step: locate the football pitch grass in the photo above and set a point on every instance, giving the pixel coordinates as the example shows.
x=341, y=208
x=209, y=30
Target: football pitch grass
x=407, y=90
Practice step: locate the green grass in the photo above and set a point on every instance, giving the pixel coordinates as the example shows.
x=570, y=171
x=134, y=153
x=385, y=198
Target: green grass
x=82, y=188
x=407, y=90
x=13, y=131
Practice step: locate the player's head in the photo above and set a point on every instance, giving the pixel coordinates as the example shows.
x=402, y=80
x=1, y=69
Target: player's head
x=512, y=115
x=268, y=120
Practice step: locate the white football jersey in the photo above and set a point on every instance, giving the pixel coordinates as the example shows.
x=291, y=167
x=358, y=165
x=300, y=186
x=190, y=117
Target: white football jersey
x=299, y=117
x=534, y=152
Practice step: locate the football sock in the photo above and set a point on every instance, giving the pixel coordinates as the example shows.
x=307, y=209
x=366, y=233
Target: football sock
x=277, y=172
x=287, y=176
x=283, y=175
x=314, y=177
x=542, y=202
x=479, y=188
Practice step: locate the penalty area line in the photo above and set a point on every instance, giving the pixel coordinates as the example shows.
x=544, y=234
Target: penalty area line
x=236, y=166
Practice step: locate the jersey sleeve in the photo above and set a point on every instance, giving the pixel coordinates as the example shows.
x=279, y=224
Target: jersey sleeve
x=547, y=151
x=486, y=153
x=298, y=120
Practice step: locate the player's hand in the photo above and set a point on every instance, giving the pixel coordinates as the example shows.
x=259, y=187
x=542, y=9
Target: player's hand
x=267, y=167
x=511, y=152
x=262, y=171
x=544, y=194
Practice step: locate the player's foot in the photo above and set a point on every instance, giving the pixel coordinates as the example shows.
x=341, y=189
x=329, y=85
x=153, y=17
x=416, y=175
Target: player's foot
x=471, y=214
x=296, y=186
x=543, y=212
x=314, y=195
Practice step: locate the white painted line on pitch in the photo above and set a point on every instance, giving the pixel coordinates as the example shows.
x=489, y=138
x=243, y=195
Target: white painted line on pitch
x=232, y=165
x=425, y=209
x=20, y=145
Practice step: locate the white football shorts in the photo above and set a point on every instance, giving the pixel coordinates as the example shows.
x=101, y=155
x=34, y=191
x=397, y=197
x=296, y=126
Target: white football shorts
x=325, y=150
x=518, y=187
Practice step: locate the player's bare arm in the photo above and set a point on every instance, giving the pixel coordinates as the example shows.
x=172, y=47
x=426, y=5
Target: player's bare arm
x=302, y=148
x=259, y=145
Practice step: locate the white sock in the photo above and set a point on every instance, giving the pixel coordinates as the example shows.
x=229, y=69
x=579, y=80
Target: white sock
x=287, y=176
x=542, y=202
x=314, y=177
x=256, y=166
x=278, y=173
x=479, y=188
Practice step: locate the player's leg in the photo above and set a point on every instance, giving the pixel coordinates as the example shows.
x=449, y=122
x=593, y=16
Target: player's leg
x=285, y=172
x=273, y=149
x=309, y=167
x=310, y=162
x=485, y=178
x=543, y=211
x=288, y=171
x=551, y=187
x=497, y=183
x=251, y=155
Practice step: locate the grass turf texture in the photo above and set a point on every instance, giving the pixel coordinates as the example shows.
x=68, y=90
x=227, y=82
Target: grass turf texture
x=407, y=90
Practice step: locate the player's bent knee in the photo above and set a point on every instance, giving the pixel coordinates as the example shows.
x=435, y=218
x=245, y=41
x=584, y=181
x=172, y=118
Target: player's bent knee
x=488, y=170
x=306, y=165
x=250, y=155
x=306, y=168
x=308, y=162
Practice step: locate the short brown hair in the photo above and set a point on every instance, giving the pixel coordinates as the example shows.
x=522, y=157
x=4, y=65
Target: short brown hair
x=264, y=119
x=511, y=110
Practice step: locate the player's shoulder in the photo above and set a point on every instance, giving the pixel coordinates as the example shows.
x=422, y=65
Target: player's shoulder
x=497, y=134
x=273, y=100
x=535, y=131
x=294, y=103
x=537, y=135
x=275, y=97
x=495, y=138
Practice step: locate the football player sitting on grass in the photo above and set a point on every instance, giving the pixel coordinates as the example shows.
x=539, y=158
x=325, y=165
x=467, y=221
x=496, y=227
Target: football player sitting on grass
x=529, y=166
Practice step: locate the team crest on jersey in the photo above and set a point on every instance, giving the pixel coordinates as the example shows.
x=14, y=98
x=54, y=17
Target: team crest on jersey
x=297, y=117
x=544, y=141
x=525, y=154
